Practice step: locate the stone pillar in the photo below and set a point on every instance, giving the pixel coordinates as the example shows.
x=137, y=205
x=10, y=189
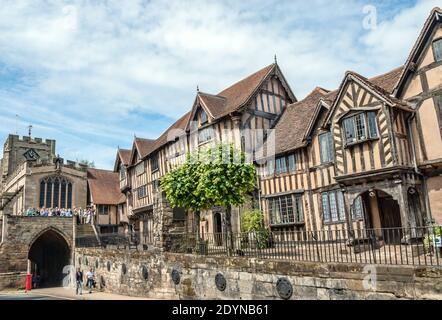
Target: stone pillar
x=405, y=213
x=375, y=214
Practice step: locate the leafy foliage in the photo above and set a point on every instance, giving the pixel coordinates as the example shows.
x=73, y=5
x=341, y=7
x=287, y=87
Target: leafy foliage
x=433, y=233
x=211, y=177
x=252, y=221
x=216, y=176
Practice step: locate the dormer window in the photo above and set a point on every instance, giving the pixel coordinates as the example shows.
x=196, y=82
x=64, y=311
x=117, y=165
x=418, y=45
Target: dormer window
x=437, y=50
x=360, y=127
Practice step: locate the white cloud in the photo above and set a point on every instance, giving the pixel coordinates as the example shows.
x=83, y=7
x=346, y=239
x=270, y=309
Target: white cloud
x=81, y=69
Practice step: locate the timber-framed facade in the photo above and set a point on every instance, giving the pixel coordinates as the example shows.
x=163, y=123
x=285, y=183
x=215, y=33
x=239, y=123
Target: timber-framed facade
x=367, y=155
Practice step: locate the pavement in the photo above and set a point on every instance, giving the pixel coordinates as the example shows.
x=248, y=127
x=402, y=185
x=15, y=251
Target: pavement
x=62, y=294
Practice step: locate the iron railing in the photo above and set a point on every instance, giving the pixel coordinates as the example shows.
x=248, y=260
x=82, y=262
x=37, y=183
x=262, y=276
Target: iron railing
x=109, y=240
x=388, y=246
x=391, y=246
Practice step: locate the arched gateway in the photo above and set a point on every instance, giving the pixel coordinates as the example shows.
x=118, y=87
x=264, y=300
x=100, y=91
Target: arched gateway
x=41, y=245
x=48, y=254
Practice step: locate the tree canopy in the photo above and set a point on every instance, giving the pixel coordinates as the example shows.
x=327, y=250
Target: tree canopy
x=217, y=176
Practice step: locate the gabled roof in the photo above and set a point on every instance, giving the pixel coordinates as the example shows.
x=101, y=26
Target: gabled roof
x=291, y=128
x=104, y=187
x=433, y=19
x=123, y=156
x=239, y=94
x=141, y=146
x=380, y=86
x=175, y=131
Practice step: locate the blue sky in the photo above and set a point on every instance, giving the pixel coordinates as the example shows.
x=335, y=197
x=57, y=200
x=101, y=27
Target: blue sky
x=92, y=74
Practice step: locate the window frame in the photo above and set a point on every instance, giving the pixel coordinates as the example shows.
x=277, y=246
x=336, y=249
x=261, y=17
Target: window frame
x=101, y=211
x=361, y=216
x=123, y=172
x=339, y=216
x=367, y=133
x=212, y=136
x=154, y=163
x=438, y=40
x=330, y=148
x=203, y=117
x=55, y=191
x=139, y=165
x=282, y=167
x=142, y=195
x=285, y=210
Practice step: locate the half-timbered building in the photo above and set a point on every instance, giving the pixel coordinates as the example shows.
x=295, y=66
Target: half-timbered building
x=366, y=155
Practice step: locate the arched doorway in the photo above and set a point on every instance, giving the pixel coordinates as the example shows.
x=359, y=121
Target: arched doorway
x=382, y=213
x=218, y=229
x=49, y=254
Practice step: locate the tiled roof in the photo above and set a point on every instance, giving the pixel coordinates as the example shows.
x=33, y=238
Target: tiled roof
x=144, y=146
x=387, y=81
x=227, y=101
x=240, y=93
x=174, y=131
x=124, y=156
x=290, y=129
x=104, y=187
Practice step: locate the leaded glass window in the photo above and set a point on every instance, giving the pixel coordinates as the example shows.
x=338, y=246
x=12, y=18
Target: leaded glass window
x=286, y=210
x=55, y=192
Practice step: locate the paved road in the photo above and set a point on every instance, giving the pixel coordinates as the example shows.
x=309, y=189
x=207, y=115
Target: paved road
x=62, y=294
x=28, y=296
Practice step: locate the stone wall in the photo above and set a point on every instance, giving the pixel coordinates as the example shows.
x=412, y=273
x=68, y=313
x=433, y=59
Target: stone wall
x=12, y=280
x=20, y=234
x=122, y=272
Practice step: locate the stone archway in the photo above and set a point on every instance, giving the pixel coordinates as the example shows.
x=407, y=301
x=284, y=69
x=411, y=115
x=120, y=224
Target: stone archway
x=48, y=254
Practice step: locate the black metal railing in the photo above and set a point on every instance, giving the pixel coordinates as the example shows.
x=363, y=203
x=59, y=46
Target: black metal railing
x=398, y=246
x=110, y=240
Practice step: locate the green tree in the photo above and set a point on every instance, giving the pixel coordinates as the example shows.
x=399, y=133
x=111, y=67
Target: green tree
x=218, y=176
x=182, y=187
x=89, y=164
x=252, y=221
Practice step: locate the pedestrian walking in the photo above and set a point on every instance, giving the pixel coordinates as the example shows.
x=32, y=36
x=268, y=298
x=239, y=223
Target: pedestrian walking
x=90, y=280
x=79, y=279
